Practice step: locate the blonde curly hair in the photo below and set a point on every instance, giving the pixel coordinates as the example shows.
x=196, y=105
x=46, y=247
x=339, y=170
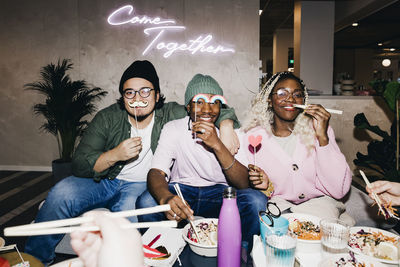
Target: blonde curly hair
x=262, y=114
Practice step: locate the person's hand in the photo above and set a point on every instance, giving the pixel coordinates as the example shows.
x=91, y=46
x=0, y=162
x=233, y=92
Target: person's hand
x=178, y=209
x=320, y=122
x=388, y=192
x=229, y=137
x=112, y=246
x=257, y=177
x=128, y=148
x=206, y=132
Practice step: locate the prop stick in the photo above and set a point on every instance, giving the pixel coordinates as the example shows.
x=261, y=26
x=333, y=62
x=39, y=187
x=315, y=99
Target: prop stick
x=195, y=99
x=178, y=191
x=333, y=111
x=80, y=220
x=255, y=145
x=134, y=105
x=137, y=127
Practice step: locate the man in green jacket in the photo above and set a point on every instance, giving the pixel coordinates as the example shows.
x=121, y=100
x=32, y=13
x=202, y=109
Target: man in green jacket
x=115, y=154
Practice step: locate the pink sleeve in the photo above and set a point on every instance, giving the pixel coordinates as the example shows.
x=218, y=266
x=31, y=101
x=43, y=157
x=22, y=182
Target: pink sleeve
x=333, y=173
x=165, y=153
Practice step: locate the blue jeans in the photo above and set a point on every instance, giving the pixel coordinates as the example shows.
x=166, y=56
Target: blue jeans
x=207, y=202
x=73, y=196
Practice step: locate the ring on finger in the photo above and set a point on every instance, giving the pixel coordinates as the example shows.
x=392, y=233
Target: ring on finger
x=175, y=215
x=203, y=130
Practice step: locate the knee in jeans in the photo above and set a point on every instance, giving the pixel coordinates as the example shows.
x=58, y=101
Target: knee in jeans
x=260, y=201
x=257, y=200
x=145, y=200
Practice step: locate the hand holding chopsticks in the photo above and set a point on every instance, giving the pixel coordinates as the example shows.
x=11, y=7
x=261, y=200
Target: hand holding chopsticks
x=178, y=191
x=385, y=210
x=66, y=225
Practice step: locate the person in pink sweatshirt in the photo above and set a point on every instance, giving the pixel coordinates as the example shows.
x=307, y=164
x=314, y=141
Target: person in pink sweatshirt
x=295, y=158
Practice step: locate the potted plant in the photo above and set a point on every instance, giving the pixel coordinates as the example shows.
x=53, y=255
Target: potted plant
x=383, y=155
x=67, y=103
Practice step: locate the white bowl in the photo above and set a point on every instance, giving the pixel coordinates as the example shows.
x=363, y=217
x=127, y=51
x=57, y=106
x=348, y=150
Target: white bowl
x=305, y=246
x=201, y=249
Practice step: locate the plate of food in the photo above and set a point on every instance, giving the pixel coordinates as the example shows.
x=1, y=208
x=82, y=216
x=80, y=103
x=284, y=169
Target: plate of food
x=347, y=260
x=207, y=230
x=375, y=243
x=306, y=228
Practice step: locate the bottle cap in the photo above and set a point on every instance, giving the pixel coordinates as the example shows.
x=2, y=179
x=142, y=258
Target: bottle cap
x=229, y=192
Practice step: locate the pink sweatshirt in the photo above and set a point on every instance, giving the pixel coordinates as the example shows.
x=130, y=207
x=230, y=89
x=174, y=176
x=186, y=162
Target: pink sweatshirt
x=324, y=171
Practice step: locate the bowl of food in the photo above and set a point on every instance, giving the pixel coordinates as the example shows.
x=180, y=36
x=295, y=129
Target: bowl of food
x=375, y=244
x=207, y=230
x=306, y=228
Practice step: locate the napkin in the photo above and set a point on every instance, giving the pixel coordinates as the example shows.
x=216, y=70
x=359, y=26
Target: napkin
x=171, y=239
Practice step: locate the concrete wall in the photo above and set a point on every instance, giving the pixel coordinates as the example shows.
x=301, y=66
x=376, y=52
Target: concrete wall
x=35, y=33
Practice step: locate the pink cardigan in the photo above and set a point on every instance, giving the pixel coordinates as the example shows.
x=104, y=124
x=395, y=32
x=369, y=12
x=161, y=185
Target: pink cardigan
x=302, y=177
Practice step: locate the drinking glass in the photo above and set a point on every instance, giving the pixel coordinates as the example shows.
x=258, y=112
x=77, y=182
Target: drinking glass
x=280, y=250
x=334, y=236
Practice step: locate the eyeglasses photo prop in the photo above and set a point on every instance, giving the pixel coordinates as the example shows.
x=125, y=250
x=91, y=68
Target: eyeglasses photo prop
x=211, y=100
x=270, y=213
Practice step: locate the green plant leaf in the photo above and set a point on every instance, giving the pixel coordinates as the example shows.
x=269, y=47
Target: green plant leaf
x=361, y=122
x=391, y=94
x=67, y=103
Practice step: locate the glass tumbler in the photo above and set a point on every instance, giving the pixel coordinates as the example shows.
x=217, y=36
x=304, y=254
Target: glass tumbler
x=280, y=250
x=334, y=236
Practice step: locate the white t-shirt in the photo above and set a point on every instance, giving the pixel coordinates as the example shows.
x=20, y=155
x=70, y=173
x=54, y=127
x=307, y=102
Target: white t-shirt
x=288, y=143
x=193, y=164
x=137, y=169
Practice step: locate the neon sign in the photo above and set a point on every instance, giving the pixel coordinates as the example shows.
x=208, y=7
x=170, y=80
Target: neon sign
x=160, y=27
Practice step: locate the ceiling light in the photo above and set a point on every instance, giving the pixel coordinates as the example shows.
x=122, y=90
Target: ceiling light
x=355, y=24
x=380, y=44
x=260, y=11
x=392, y=49
x=386, y=62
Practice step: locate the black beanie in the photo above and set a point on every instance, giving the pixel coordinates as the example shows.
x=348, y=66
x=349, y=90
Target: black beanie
x=140, y=69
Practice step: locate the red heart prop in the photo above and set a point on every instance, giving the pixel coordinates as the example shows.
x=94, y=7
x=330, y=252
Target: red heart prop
x=255, y=140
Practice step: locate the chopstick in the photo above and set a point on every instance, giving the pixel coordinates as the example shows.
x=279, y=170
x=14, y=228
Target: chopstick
x=178, y=190
x=375, y=196
x=334, y=111
x=81, y=220
x=67, y=230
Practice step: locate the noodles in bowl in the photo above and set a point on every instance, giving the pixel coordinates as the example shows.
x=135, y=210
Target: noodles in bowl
x=207, y=229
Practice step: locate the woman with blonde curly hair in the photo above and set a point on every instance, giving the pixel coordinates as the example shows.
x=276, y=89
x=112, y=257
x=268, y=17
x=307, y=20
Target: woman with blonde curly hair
x=297, y=162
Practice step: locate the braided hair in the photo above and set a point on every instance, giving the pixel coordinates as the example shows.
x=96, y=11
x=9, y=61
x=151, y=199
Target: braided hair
x=262, y=114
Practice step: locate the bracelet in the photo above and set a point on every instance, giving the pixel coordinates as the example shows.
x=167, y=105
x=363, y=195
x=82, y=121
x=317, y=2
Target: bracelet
x=230, y=166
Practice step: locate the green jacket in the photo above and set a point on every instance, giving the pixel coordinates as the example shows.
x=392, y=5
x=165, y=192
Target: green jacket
x=110, y=127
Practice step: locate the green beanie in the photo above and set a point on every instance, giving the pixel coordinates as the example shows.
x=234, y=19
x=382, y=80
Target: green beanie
x=202, y=84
